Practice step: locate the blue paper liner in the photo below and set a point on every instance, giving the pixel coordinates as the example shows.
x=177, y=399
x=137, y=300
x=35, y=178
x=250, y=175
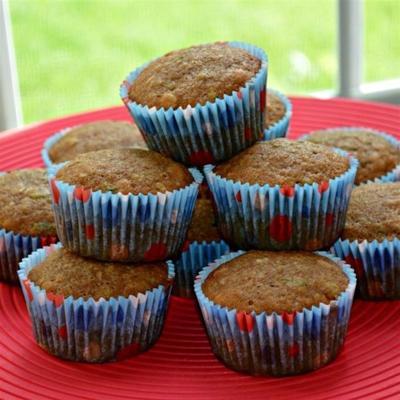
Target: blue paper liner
x=276, y=344
x=120, y=227
x=49, y=143
x=191, y=261
x=14, y=247
x=280, y=128
x=391, y=176
x=377, y=265
x=309, y=216
x=205, y=133
x=90, y=330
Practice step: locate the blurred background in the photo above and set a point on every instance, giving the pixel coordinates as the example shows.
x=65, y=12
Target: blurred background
x=72, y=55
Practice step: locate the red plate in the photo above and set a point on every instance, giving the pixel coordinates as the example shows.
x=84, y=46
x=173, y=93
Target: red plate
x=181, y=365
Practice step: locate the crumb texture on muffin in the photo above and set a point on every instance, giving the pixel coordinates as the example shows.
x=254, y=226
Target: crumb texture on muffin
x=377, y=156
x=194, y=75
x=126, y=171
x=284, y=162
x=26, y=203
x=204, y=223
x=275, y=282
x=374, y=212
x=94, y=136
x=275, y=109
x=64, y=273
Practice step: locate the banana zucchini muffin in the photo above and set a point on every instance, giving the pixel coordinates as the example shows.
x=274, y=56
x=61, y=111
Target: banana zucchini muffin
x=85, y=310
x=125, y=171
x=284, y=162
x=276, y=313
x=94, y=136
x=66, y=274
x=194, y=75
x=374, y=212
x=275, y=109
x=26, y=218
x=263, y=281
x=204, y=223
x=26, y=203
x=377, y=156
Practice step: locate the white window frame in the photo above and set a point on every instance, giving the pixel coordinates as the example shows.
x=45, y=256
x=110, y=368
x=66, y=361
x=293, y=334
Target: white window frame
x=350, y=63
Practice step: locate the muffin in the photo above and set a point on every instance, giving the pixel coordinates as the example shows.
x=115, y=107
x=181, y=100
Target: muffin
x=202, y=246
x=86, y=310
x=98, y=135
x=282, y=195
x=285, y=312
x=278, y=115
x=371, y=239
x=201, y=104
x=124, y=204
x=26, y=219
x=377, y=153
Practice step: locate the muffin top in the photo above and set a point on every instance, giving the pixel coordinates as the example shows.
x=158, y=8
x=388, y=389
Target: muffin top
x=204, y=224
x=97, y=135
x=67, y=274
x=194, y=75
x=26, y=203
x=283, y=281
x=284, y=162
x=374, y=212
x=275, y=109
x=126, y=171
x=376, y=154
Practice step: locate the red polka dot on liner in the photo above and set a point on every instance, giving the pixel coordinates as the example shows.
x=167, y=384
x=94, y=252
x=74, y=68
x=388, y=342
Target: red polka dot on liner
x=293, y=350
x=62, y=332
x=55, y=191
x=280, y=228
x=157, y=251
x=245, y=321
x=323, y=186
x=27, y=286
x=289, y=318
x=287, y=191
x=89, y=232
x=329, y=219
x=82, y=194
x=238, y=197
x=57, y=299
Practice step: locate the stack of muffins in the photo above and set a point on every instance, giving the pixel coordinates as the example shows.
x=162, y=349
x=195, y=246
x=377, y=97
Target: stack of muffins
x=276, y=304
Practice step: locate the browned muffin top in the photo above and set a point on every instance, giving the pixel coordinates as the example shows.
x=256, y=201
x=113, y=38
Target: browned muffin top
x=97, y=135
x=275, y=109
x=194, y=75
x=284, y=162
x=25, y=203
x=376, y=155
x=67, y=274
x=204, y=224
x=283, y=281
x=374, y=212
x=126, y=171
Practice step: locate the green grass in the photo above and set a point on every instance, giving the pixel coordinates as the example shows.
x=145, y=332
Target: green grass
x=72, y=55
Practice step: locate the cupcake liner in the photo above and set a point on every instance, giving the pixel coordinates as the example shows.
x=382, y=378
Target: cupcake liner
x=276, y=344
x=309, y=216
x=90, y=330
x=122, y=227
x=191, y=261
x=377, y=265
x=205, y=133
x=280, y=128
x=48, y=144
x=391, y=176
x=14, y=247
